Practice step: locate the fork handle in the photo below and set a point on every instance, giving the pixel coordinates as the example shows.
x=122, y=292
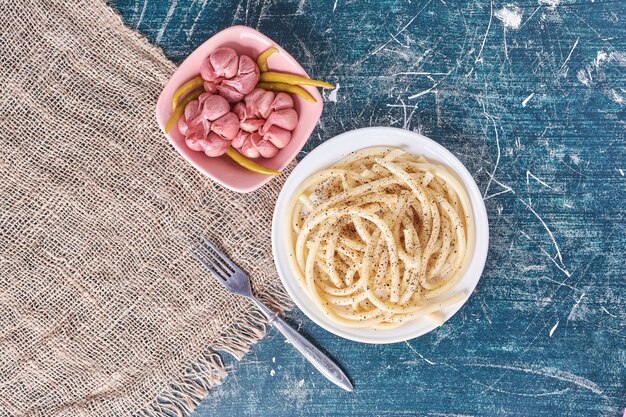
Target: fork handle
x=319, y=360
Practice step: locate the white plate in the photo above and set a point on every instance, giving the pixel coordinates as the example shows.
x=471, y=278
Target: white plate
x=328, y=154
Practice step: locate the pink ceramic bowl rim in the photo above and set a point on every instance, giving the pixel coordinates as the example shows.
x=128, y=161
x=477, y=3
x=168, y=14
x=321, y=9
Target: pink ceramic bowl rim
x=223, y=170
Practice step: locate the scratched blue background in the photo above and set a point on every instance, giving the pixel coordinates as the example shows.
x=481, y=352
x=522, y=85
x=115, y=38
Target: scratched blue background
x=531, y=97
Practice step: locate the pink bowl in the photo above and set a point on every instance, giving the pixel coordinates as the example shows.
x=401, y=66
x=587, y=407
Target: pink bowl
x=250, y=42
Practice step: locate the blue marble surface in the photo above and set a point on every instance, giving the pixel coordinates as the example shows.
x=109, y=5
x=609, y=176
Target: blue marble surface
x=531, y=96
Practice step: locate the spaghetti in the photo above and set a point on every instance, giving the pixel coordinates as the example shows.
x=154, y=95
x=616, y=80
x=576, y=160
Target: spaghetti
x=381, y=238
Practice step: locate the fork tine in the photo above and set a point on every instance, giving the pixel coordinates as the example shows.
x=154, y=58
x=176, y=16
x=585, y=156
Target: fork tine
x=201, y=257
x=215, y=260
x=221, y=255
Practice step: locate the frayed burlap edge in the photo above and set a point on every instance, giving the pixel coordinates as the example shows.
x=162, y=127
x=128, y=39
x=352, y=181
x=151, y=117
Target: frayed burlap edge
x=207, y=372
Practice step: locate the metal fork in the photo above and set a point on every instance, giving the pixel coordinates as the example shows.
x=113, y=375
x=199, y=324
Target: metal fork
x=237, y=282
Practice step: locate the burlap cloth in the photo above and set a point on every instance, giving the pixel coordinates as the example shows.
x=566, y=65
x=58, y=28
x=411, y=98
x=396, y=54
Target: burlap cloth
x=102, y=310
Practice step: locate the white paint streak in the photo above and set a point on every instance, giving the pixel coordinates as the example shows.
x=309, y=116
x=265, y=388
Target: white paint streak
x=556, y=246
x=408, y=121
x=569, y=55
x=617, y=97
x=561, y=268
x=530, y=174
x=166, y=21
x=527, y=99
x=572, y=313
x=554, y=328
x=423, y=92
x=143, y=12
x=434, y=85
x=510, y=16
x=493, y=173
x=300, y=9
x=332, y=96
x=621, y=171
x=584, y=77
x=400, y=43
x=560, y=283
x=295, y=392
x=508, y=190
x=334, y=6
x=506, y=48
x=381, y=47
x=531, y=16
x=420, y=355
x=419, y=73
x=482, y=45
x=601, y=57
x=272, y=373
x=549, y=372
x=405, y=123
x=484, y=308
x=492, y=387
x=607, y=312
x=195, y=21
x=533, y=268
x=552, y=4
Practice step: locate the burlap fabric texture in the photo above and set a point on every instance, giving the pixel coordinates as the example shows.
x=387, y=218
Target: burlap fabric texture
x=102, y=310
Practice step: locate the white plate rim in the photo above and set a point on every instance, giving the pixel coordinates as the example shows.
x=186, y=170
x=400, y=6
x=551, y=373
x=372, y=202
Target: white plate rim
x=331, y=151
